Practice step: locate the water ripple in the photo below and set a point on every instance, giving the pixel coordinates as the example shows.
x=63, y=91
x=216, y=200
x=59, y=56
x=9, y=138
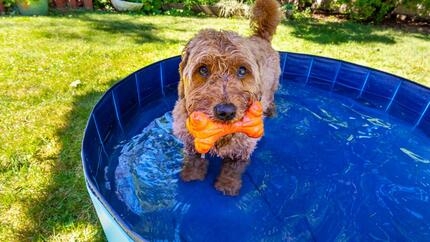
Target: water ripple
x=414, y=156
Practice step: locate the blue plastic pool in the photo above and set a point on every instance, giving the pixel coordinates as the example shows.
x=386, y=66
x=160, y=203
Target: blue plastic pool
x=347, y=158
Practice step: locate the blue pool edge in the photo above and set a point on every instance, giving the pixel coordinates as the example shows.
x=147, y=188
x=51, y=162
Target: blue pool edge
x=115, y=228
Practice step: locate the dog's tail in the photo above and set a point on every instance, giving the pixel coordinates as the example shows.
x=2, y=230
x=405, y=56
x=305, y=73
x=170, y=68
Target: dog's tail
x=265, y=17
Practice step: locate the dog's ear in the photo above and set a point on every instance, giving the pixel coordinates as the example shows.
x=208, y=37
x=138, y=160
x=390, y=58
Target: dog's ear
x=182, y=65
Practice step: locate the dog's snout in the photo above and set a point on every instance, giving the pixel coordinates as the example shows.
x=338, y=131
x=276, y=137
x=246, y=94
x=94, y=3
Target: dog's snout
x=225, y=111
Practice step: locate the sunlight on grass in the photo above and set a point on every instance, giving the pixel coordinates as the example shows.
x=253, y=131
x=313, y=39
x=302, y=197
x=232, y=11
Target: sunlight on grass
x=75, y=232
x=42, y=188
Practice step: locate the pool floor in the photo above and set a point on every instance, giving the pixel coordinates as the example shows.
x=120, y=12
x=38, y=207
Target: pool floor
x=327, y=169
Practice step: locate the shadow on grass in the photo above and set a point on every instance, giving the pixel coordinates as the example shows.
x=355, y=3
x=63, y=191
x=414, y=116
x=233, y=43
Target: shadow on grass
x=66, y=205
x=140, y=32
x=336, y=32
x=417, y=27
x=128, y=26
x=425, y=37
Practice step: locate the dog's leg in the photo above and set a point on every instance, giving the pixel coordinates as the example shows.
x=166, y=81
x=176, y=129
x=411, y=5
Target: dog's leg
x=194, y=167
x=229, y=181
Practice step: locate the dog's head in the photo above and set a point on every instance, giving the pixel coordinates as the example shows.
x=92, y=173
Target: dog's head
x=219, y=75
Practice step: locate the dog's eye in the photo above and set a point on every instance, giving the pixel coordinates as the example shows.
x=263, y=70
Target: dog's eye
x=241, y=72
x=203, y=71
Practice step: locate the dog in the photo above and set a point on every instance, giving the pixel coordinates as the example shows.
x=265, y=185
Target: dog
x=221, y=74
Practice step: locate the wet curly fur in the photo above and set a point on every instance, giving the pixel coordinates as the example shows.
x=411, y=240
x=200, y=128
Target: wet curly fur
x=220, y=67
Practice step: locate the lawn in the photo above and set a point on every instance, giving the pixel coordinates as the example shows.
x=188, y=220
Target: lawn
x=42, y=189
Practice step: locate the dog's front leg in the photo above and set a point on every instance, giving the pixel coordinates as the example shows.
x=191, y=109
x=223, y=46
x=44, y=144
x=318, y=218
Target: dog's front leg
x=229, y=181
x=194, y=167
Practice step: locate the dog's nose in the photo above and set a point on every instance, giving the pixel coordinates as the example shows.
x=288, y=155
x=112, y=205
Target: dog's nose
x=225, y=111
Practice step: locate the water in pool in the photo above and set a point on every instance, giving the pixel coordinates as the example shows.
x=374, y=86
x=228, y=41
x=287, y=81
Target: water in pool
x=327, y=169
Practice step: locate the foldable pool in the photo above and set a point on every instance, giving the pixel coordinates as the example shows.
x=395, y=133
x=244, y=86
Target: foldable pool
x=346, y=158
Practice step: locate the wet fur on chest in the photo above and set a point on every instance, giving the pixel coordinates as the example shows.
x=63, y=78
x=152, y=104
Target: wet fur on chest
x=234, y=146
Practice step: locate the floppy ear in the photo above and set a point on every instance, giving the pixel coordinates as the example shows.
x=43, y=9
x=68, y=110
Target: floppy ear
x=182, y=65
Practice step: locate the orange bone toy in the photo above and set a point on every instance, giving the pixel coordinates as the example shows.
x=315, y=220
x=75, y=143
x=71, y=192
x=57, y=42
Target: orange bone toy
x=206, y=131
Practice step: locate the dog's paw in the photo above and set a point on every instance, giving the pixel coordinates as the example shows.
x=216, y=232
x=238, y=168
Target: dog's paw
x=194, y=169
x=228, y=185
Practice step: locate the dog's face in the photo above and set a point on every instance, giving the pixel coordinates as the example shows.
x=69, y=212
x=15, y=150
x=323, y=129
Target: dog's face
x=218, y=76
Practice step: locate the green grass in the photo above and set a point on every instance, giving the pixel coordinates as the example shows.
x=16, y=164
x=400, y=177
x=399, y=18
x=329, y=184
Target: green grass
x=42, y=189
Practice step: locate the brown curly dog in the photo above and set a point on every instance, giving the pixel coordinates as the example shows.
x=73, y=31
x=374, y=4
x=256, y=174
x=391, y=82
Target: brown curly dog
x=221, y=74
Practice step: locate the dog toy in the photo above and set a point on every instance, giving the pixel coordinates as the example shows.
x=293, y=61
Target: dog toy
x=206, y=131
